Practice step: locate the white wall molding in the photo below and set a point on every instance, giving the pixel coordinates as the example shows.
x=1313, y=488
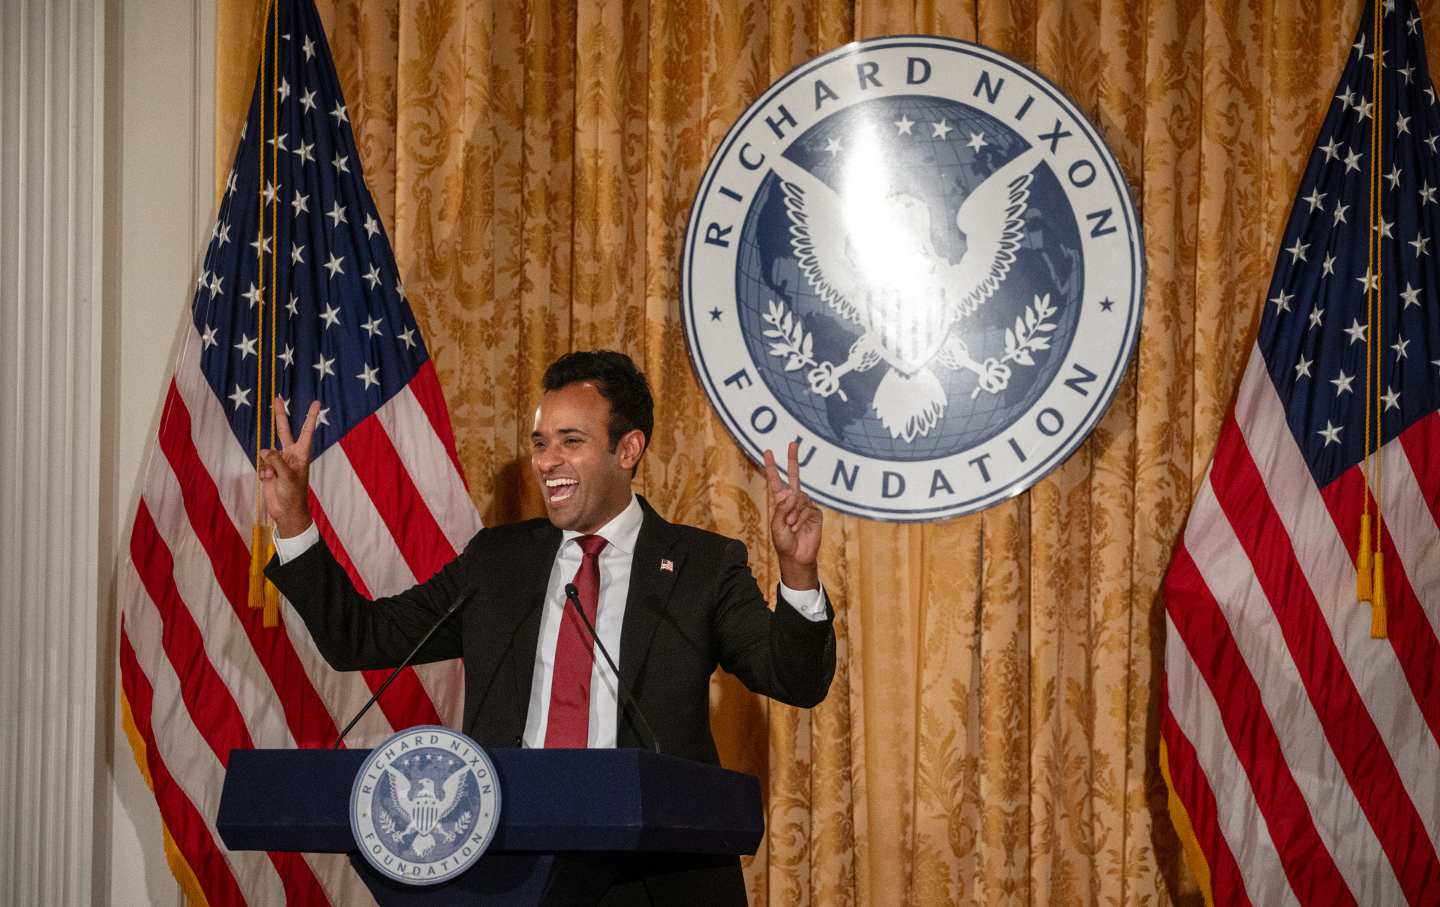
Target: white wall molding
x=52, y=152
x=161, y=79
x=106, y=191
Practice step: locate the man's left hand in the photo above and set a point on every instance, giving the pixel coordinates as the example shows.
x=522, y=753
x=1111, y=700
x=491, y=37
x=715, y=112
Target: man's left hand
x=794, y=524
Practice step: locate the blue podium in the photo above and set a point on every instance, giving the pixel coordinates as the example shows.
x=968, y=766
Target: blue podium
x=564, y=814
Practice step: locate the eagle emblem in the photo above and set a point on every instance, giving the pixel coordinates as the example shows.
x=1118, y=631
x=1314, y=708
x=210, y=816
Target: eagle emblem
x=424, y=810
x=869, y=255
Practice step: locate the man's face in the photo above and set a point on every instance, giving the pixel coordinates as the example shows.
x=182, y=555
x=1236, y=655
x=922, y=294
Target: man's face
x=583, y=481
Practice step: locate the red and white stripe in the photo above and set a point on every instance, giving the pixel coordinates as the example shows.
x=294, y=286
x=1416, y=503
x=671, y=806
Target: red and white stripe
x=202, y=676
x=1310, y=749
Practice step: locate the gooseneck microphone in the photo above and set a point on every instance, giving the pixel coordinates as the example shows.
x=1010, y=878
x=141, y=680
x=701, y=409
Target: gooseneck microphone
x=572, y=595
x=400, y=667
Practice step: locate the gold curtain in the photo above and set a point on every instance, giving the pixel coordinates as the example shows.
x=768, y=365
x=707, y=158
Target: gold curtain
x=991, y=733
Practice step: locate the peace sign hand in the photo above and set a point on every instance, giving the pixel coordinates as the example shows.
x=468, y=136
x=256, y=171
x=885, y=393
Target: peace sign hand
x=795, y=524
x=285, y=473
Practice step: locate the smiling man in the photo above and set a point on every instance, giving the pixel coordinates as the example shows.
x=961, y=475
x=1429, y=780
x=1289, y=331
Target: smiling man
x=670, y=602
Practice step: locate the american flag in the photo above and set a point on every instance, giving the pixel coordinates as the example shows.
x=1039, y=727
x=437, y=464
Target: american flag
x=1301, y=750
x=298, y=294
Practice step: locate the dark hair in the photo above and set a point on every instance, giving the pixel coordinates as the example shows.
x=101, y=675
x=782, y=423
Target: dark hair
x=617, y=379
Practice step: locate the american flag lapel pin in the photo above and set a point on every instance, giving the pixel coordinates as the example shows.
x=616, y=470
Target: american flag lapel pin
x=667, y=565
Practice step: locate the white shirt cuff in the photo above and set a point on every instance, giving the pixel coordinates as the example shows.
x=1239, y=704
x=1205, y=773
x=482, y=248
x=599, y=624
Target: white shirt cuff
x=809, y=602
x=296, y=545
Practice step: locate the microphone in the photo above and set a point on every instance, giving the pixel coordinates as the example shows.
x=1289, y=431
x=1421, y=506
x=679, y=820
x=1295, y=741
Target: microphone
x=572, y=595
x=400, y=667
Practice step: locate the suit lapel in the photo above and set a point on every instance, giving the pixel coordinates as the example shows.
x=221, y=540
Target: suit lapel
x=650, y=585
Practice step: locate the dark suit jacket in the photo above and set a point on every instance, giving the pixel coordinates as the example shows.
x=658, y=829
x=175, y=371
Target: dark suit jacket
x=679, y=624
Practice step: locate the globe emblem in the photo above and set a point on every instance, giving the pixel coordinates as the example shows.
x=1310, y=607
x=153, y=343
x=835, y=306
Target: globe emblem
x=940, y=173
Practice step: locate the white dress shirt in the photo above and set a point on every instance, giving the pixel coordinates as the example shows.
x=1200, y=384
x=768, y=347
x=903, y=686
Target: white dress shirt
x=620, y=535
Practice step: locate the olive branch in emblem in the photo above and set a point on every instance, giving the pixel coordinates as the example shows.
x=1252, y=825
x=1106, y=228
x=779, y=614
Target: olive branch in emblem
x=454, y=832
x=1029, y=336
x=387, y=824
x=790, y=340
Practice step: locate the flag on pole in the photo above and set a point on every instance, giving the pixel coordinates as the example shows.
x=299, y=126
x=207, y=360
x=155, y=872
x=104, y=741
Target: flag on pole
x=1302, y=671
x=298, y=295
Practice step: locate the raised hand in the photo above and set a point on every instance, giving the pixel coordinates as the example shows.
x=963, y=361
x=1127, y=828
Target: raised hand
x=794, y=524
x=285, y=473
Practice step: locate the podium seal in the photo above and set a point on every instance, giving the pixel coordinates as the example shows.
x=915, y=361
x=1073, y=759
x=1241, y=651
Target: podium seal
x=918, y=258
x=425, y=805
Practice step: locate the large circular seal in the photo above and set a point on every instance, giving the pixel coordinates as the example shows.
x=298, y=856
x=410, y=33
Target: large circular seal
x=918, y=258
x=425, y=805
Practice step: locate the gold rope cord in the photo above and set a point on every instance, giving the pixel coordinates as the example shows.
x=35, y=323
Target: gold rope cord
x=1373, y=346
x=1363, y=564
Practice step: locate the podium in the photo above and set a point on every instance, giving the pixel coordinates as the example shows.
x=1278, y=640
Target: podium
x=565, y=815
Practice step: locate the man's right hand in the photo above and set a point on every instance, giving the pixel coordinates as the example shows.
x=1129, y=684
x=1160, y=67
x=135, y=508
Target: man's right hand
x=285, y=473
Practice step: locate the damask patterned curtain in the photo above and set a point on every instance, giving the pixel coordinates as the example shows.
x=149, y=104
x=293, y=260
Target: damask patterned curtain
x=991, y=734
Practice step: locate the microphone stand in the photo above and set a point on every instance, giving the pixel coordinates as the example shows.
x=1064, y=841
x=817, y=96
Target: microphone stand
x=402, y=666
x=572, y=595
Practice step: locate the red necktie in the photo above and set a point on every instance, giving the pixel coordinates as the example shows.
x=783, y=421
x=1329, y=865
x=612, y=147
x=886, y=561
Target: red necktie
x=569, y=721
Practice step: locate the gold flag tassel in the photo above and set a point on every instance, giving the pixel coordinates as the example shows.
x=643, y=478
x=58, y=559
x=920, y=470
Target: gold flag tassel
x=262, y=593
x=1379, y=627
x=259, y=557
x=1364, y=567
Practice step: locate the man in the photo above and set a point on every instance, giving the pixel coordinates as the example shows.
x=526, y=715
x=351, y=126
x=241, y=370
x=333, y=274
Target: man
x=670, y=602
